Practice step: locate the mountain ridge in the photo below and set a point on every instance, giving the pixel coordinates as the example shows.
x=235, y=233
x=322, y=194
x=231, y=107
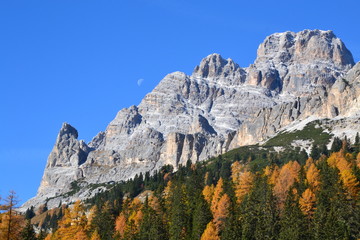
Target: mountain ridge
x=219, y=107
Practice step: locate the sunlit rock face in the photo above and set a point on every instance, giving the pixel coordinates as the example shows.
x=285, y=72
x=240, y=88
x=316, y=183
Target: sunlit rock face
x=219, y=107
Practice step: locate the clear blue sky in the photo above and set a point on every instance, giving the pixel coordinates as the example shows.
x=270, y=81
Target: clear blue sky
x=79, y=61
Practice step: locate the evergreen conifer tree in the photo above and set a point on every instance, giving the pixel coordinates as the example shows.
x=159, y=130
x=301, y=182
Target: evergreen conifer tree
x=201, y=217
x=28, y=232
x=293, y=223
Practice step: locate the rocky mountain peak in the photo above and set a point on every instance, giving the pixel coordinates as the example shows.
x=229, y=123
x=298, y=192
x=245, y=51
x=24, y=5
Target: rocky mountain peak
x=67, y=131
x=297, y=63
x=68, y=151
x=219, y=107
x=215, y=66
x=308, y=46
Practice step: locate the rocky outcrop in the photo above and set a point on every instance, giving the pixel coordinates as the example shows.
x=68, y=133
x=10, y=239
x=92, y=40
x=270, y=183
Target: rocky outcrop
x=219, y=107
x=63, y=166
x=215, y=67
x=299, y=62
x=68, y=151
x=344, y=96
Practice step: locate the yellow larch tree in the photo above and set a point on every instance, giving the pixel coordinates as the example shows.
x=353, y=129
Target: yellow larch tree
x=313, y=177
x=289, y=173
x=244, y=185
x=307, y=202
x=208, y=193
x=349, y=180
x=95, y=235
x=308, y=163
x=81, y=235
x=218, y=192
x=120, y=224
x=167, y=193
x=49, y=236
x=129, y=220
x=154, y=204
x=206, y=178
x=74, y=223
x=236, y=169
x=222, y=212
x=268, y=171
x=242, y=180
x=210, y=233
x=11, y=222
x=274, y=175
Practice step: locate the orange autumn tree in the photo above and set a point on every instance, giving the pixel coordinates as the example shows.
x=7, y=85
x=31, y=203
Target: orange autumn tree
x=210, y=232
x=222, y=212
x=289, y=173
x=95, y=235
x=307, y=203
x=11, y=222
x=272, y=173
x=242, y=179
x=347, y=176
x=154, y=203
x=218, y=192
x=129, y=220
x=208, y=193
x=313, y=177
x=307, y=200
x=220, y=204
x=74, y=224
x=167, y=192
x=120, y=224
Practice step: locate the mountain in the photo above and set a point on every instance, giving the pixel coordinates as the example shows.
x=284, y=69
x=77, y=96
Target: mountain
x=296, y=78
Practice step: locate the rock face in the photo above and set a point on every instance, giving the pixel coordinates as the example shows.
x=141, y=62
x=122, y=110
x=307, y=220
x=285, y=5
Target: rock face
x=298, y=62
x=219, y=107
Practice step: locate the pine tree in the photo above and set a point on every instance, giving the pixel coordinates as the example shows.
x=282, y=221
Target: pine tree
x=259, y=215
x=315, y=152
x=201, y=217
x=103, y=221
x=179, y=220
x=293, y=223
x=232, y=231
x=41, y=235
x=336, y=145
x=357, y=143
x=336, y=216
x=225, y=170
x=152, y=226
x=28, y=232
x=29, y=214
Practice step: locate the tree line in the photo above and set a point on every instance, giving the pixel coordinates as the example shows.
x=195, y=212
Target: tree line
x=245, y=194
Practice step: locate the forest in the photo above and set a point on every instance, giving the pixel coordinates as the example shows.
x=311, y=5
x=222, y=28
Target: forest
x=250, y=193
